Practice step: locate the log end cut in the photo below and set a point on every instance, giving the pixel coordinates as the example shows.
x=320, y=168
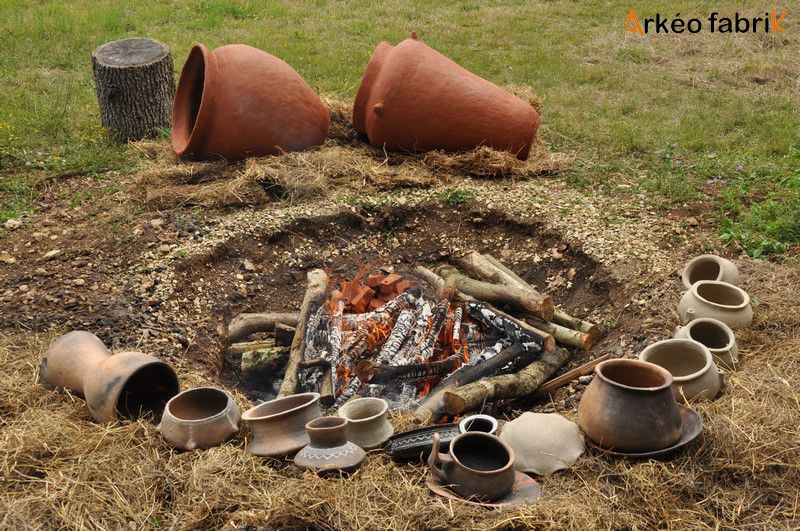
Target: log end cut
x=130, y=52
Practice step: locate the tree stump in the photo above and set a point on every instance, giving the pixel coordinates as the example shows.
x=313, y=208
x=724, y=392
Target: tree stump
x=135, y=87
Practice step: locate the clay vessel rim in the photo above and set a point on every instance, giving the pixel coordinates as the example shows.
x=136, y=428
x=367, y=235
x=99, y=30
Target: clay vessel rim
x=363, y=420
x=340, y=423
x=716, y=322
x=743, y=293
x=718, y=259
x=511, y=456
x=696, y=345
x=215, y=416
x=194, y=138
x=480, y=416
x=251, y=415
x=598, y=370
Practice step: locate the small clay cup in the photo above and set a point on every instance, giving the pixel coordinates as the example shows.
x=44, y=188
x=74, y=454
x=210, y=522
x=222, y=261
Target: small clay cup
x=717, y=337
x=278, y=427
x=629, y=407
x=367, y=422
x=478, y=467
x=329, y=450
x=482, y=423
x=694, y=374
x=200, y=418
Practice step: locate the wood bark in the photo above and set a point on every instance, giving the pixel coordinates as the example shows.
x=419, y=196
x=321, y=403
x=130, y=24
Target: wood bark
x=472, y=396
x=560, y=381
x=563, y=335
x=135, y=87
x=263, y=363
x=316, y=293
x=245, y=324
x=241, y=348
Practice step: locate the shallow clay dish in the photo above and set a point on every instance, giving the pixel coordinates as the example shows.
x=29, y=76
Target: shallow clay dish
x=692, y=426
x=525, y=490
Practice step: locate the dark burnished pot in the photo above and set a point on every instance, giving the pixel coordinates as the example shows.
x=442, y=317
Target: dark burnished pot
x=630, y=407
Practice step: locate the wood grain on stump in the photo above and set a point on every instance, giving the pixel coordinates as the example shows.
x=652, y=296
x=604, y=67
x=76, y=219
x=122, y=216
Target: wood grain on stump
x=135, y=87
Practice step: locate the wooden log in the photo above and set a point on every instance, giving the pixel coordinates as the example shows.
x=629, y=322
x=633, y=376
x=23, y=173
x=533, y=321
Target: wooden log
x=135, y=87
x=283, y=335
x=262, y=364
x=563, y=335
x=316, y=293
x=472, y=396
x=373, y=373
x=560, y=381
x=241, y=348
x=245, y=324
x=498, y=294
x=326, y=396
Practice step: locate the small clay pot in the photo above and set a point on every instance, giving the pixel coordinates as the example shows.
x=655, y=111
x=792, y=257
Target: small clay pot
x=413, y=98
x=200, y=418
x=694, y=374
x=126, y=385
x=483, y=423
x=716, y=300
x=239, y=101
x=479, y=466
x=278, y=427
x=716, y=336
x=629, y=407
x=367, y=422
x=329, y=450
x=709, y=267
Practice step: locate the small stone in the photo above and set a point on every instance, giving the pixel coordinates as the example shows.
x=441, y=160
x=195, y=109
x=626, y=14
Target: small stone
x=692, y=221
x=239, y=276
x=23, y=288
x=477, y=219
x=49, y=255
x=585, y=379
x=248, y=265
x=157, y=223
x=79, y=282
x=164, y=248
x=7, y=258
x=12, y=224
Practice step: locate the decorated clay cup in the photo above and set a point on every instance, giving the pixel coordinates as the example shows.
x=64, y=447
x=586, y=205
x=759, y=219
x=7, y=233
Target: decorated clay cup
x=329, y=450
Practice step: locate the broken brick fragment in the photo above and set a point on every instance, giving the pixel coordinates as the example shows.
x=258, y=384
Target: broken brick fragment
x=362, y=299
x=374, y=280
x=389, y=284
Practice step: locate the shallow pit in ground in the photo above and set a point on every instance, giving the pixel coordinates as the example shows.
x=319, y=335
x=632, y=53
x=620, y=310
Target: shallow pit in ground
x=361, y=241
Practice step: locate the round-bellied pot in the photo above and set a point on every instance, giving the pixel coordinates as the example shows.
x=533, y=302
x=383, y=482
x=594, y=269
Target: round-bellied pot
x=717, y=337
x=367, y=422
x=125, y=385
x=629, y=407
x=694, y=374
x=239, y=101
x=709, y=267
x=414, y=98
x=329, y=450
x=200, y=418
x=716, y=300
x=278, y=427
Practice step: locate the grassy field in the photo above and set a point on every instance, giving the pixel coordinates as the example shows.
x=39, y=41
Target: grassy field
x=704, y=122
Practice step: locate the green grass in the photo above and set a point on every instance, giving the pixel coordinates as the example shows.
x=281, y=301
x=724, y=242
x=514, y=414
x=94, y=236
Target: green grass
x=668, y=115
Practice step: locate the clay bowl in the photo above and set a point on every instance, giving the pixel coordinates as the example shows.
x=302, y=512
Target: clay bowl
x=278, y=427
x=200, y=418
x=709, y=267
x=695, y=376
x=716, y=300
x=367, y=422
x=717, y=337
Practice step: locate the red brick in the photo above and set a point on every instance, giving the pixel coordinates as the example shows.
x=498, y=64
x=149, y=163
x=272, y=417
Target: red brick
x=362, y=299
x=374, y=280
x=389, y=283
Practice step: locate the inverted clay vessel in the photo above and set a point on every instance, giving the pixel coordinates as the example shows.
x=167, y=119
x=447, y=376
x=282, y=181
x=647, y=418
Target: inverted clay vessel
x=543, y=442
x=694, y=373
x=278, y=427
x=413, y=98
x=238, y=101
x=716, y=300
x=125, y=385
x=200, y=418
x=367, y=422
x=709, y=267
x=329, y=450
x=629, y=407
x=716, y=336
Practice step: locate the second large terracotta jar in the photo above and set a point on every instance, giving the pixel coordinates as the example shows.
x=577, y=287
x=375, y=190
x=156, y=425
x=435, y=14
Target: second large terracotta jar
x=239, y=101
x=414, y=98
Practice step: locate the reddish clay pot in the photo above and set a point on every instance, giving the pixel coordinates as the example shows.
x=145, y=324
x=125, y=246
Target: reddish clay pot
x=238, y=101
x=414, y=98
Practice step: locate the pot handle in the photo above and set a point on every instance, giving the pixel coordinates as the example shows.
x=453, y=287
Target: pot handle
x=435, y=457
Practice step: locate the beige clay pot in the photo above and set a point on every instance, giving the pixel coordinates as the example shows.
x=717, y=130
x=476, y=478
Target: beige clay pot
x=716, y=300
x=709, y=267
x=716, y=336
x=694, y=374
x=125, y=385
x=367, y=422
x=278, y=427
x=200, y=418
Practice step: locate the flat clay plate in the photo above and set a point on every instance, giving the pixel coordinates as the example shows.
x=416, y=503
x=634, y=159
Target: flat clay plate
x=692, y=426
x=525, y=489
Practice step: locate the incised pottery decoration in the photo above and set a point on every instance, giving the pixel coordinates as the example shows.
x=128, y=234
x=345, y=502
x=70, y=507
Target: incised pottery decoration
x=717, y=337
x=278, y=427
x=329, y=450
x=238, y=101
x=694, y=374
x=709, y=267
x=367, y=422
x=200, y=418
x=543, y=442
x=629, y=407
x=125, y=385
x=484, y=423
x=417, y=443
x=717, y=300
x=414, y=98
x=478, y=467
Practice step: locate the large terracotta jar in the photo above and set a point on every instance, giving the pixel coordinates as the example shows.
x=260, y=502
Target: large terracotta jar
x=716, y=300
x=629, y=407
x=238, y=101
x=414, y=98
x=278, y=427
x=125, y=385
